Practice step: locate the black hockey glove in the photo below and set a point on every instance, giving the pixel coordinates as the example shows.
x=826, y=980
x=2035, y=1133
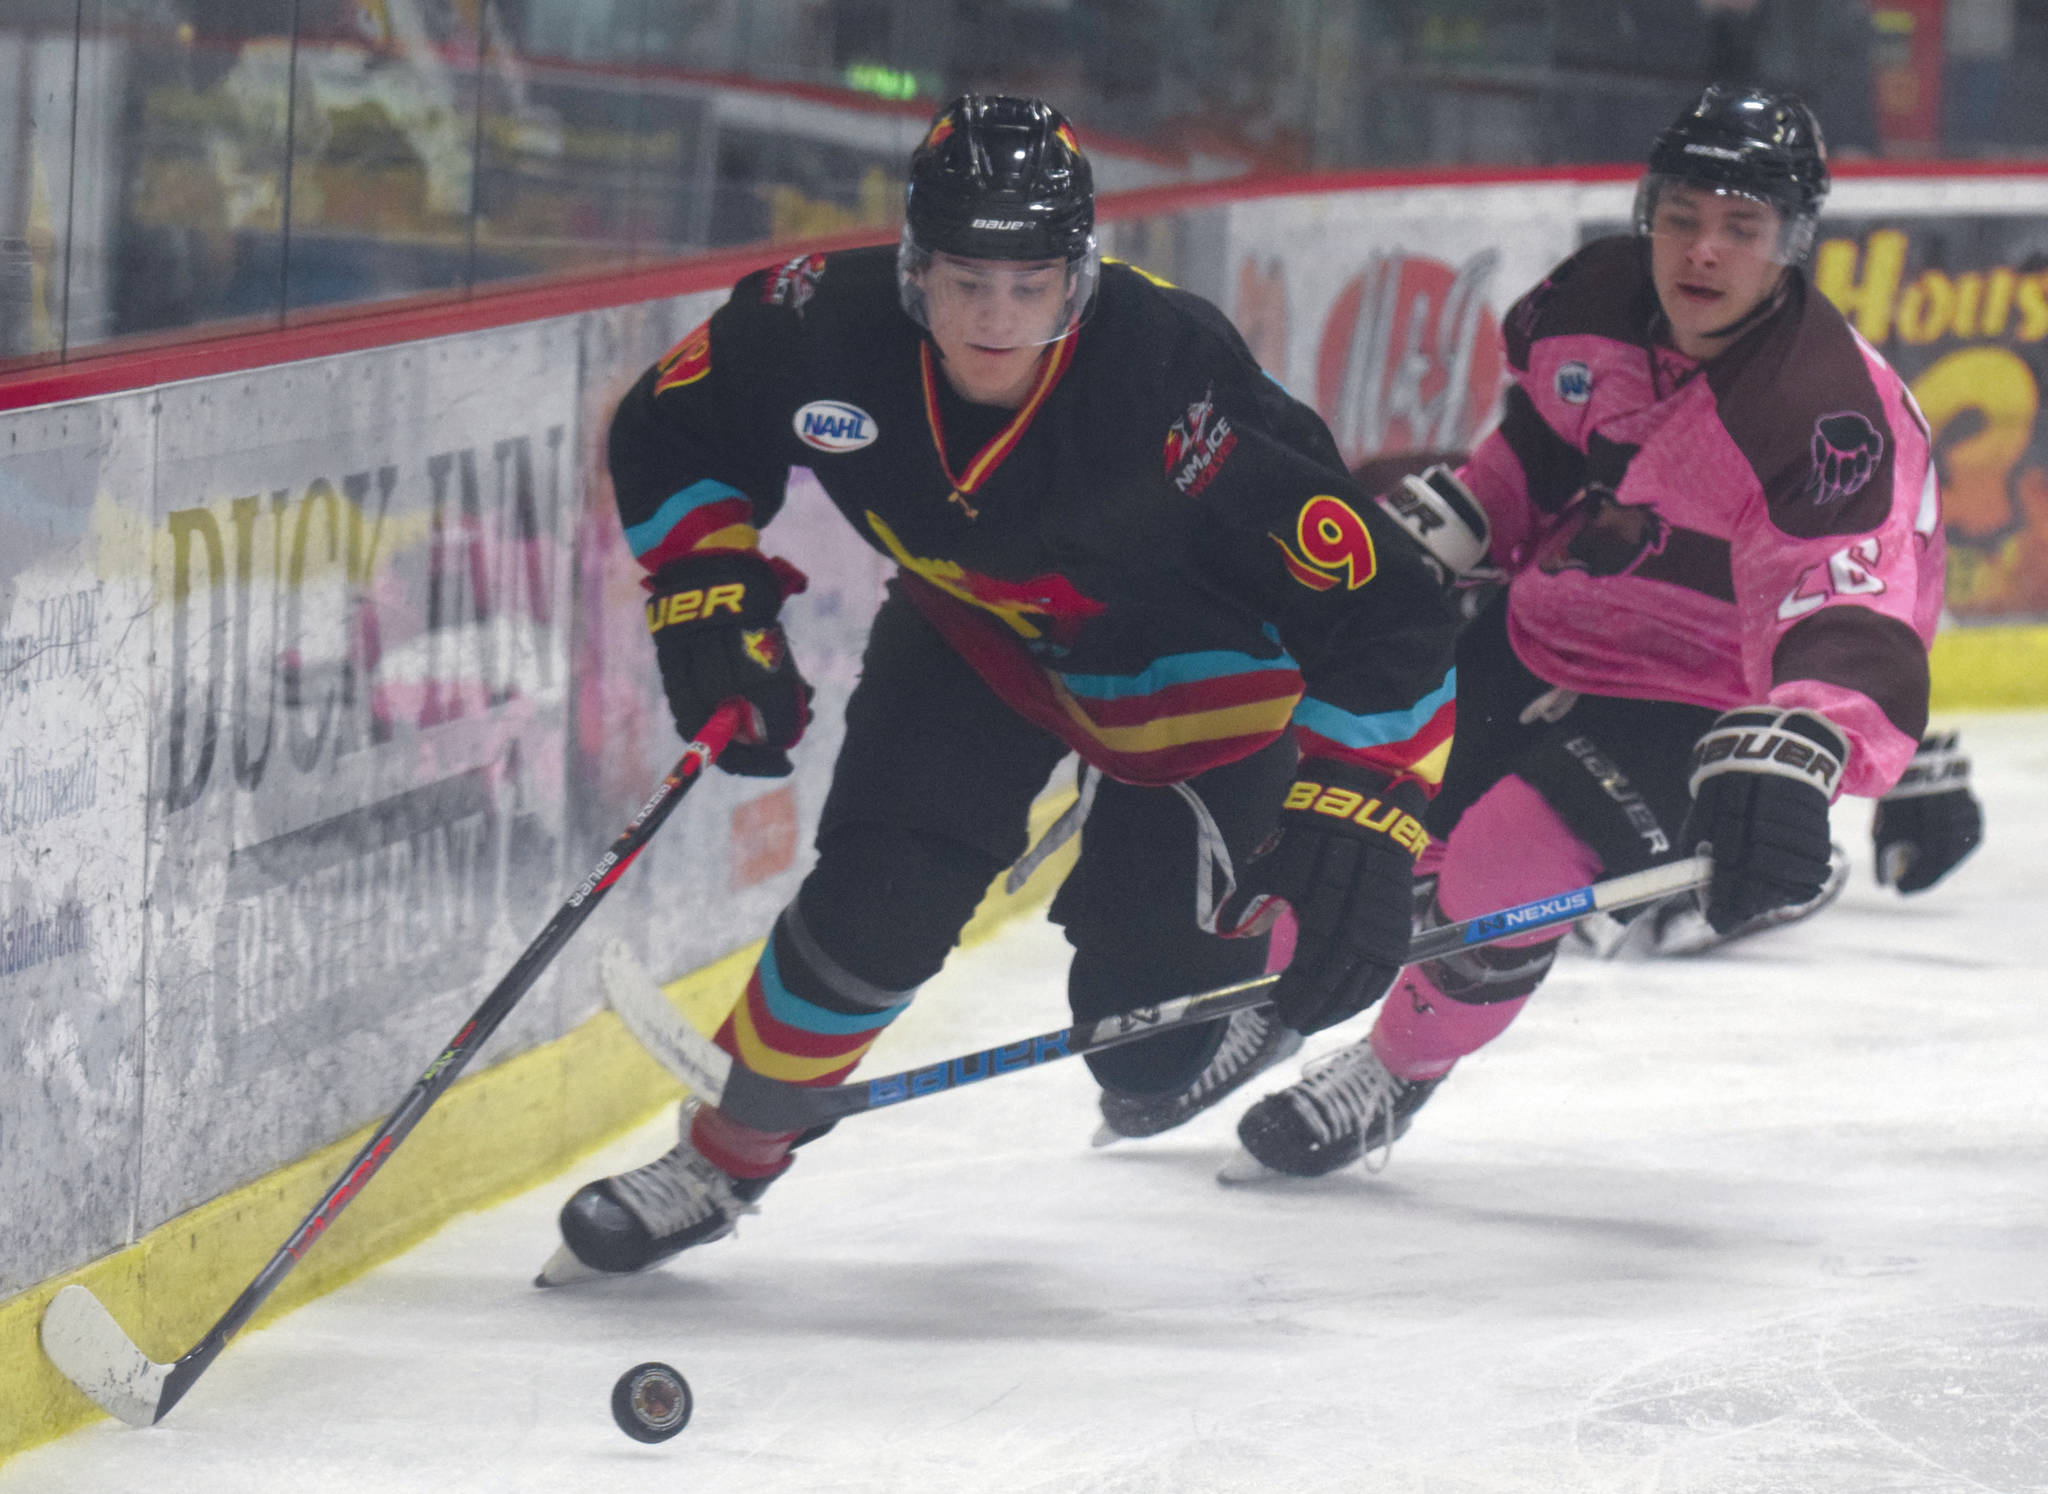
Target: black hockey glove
x=1762, y=778
x=1344, y=860
x=1930, y=822
x=716, y=637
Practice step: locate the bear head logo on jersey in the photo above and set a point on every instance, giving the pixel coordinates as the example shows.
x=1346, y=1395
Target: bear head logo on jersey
x=1846, y=451
x=1602, y=536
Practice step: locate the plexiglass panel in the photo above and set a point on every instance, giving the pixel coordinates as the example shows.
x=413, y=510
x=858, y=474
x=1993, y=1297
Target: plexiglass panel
x=180, y=168
x=383, y=150
x=38, y=63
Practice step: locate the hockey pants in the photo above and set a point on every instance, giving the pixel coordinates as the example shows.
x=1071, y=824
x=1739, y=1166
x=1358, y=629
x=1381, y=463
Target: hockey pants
x=930, y=802
x=1545, y=790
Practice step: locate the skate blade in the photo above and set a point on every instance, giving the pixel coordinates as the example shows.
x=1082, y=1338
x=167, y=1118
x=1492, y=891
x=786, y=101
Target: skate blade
x=1106, y=1135
x=563, y=1269
x=1245, y=1168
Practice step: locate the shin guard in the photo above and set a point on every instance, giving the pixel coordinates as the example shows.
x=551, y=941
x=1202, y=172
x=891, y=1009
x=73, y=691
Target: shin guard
x=1422, y=1030
x=803, y=1017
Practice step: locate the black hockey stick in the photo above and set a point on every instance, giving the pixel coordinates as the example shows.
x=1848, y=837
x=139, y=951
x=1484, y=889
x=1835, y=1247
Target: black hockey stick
x=97, y=1355
x=775, y=1105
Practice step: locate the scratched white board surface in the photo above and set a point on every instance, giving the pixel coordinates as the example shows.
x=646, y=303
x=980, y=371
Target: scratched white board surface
x=75, y=621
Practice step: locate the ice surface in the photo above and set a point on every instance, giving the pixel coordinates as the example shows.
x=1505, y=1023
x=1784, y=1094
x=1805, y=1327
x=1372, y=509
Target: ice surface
x=1772, y=1220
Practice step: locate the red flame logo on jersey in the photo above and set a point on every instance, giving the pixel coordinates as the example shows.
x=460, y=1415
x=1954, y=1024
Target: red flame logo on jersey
x=686, y=362
x=1051, y=599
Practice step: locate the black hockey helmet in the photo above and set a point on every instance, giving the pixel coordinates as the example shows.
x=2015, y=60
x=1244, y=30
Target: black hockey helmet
x=1753, y=142
x=999, y=178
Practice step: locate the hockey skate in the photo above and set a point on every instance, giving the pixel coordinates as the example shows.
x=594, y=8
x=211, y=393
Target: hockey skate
x=1254, y=1042
x=1345, y=1106
x=626, y=1223
x=1676, y=926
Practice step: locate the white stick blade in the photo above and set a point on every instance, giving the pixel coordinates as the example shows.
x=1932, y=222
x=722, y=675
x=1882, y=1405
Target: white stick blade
x=658, y=1027
x=83, y=1340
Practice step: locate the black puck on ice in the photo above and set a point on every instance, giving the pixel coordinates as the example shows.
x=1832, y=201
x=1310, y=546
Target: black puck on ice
x=651, y=1402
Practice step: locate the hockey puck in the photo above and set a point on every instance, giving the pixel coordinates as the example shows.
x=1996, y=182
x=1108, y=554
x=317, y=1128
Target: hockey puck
x=651, y=1402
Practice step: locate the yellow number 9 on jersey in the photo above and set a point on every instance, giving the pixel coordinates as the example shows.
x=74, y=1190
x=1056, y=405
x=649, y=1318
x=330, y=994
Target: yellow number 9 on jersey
x=1331, y=544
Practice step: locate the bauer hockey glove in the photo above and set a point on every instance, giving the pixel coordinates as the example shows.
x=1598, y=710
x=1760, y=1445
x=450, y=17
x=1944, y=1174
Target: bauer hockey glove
x=1344, y=860
x=1443, y=517
x=1439, y=511
x=713, y=617
x=1762, y=778
x=1930, y=822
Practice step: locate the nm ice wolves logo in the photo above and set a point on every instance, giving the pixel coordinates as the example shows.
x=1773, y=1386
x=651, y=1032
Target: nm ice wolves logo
x=1846, y=451
x=793, y=284
x=1603, y=536
x=1198, y=445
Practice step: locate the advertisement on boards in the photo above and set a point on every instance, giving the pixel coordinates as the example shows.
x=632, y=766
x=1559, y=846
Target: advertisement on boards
x=1958, y=304
x=74, y=731
x=359, y=703
x=1383, y=311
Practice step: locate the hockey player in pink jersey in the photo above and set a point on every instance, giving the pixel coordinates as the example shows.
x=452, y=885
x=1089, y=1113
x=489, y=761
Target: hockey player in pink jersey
x=1716, y=512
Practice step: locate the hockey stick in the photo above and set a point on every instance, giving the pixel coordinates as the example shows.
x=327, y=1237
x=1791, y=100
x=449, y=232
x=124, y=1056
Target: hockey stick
x=775, y=1105
x=97, y=1355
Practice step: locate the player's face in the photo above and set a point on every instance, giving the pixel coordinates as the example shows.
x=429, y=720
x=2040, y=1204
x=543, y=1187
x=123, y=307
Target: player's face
x=1713, y=258
x=991, y=319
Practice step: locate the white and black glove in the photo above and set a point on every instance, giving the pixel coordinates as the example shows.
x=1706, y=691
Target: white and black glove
x=1930, y=822
x=1448, y=522
x=1762, y=779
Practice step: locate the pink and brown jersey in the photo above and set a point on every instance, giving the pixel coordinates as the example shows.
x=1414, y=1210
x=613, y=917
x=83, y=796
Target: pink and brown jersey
x=1763, y=526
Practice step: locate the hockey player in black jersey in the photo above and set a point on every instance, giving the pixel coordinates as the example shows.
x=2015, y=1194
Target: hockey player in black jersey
x=1116, y=537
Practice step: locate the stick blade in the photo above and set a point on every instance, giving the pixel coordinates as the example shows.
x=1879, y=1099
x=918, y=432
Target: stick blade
x=658, y=1027
x=95, y=1354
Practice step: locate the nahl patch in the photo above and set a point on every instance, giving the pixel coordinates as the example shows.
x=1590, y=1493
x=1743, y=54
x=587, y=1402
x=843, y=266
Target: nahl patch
x=1198, y=445
x=835, y=427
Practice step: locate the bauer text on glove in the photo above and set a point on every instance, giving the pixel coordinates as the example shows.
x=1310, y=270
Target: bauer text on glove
x=1929, y=822
x=716, y=637
x=1762, y=779
x=1344, y=860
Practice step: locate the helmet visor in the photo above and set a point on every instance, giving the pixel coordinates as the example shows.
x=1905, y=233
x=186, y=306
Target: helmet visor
x=1736, y=224
x=997, y=304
